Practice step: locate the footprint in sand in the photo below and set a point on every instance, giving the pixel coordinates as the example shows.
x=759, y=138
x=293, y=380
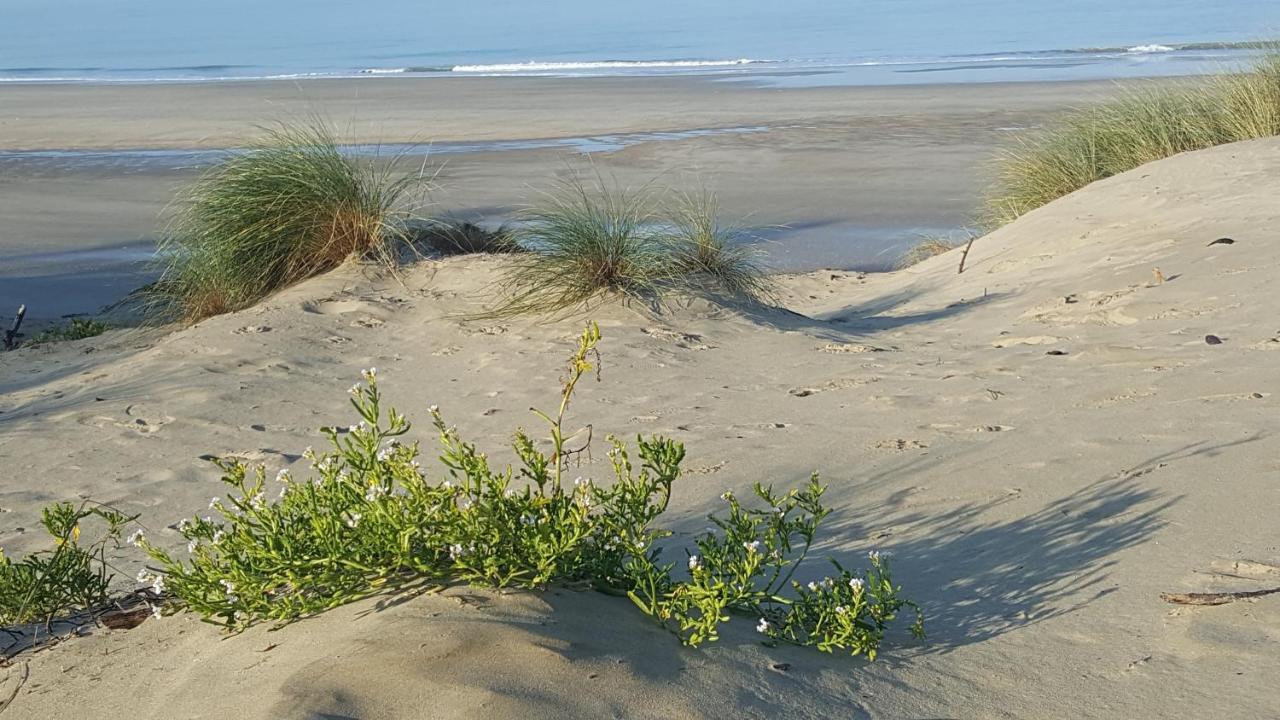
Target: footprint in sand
x=1030, y=340
x=140, y=425
x=900, y=445
x=857, y=348
x=484, y=329
x=837, y=384
x=334, y=306
x=251, y=329
x=688, y=341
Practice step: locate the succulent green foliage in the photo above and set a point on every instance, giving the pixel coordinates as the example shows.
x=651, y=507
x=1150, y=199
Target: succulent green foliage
x=69, y=578
x=77, y=328
x=369, y=520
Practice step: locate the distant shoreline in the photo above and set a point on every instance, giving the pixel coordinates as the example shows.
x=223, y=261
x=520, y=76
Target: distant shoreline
x=203, y=115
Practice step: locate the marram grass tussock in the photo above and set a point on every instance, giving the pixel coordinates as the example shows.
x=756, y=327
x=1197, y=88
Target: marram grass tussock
x=288, y=207
x=1143, y=123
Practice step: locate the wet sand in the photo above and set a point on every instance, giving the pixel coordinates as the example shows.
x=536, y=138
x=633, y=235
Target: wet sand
x=828, y=177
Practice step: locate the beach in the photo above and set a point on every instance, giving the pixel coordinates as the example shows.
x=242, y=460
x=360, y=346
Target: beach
x=844, y=177
x=1046, y=443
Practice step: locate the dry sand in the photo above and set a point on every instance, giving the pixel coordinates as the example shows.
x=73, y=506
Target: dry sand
x=1037, y=504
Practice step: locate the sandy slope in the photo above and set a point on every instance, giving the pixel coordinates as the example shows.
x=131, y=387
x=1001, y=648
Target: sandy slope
x=1037, y=504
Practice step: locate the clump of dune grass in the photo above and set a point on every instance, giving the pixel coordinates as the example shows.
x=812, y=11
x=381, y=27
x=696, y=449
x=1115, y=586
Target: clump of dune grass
x=704, y=248
x=1140, y=125
x=450, y=236
x=588, y=241
x=288, y=207
x=928, y=247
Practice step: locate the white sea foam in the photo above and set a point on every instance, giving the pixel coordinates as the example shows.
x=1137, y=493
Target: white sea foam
x=534, y=66
x=383, y=71
x=1149, y=49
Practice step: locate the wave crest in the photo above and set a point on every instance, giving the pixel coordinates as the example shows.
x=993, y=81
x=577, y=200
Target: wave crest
x=534, y=66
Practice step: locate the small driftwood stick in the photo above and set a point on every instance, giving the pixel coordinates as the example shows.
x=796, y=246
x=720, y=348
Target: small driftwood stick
x=965, y=256
x=11, y=335
x=1214, y=598
x=26, y=673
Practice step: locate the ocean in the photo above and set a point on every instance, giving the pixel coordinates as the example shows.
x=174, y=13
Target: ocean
x=796, y=42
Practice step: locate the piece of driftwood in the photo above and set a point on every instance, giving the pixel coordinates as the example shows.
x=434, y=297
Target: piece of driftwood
x=965, y=255
x=1214, y=598
x=11, y=335
x=26, y=673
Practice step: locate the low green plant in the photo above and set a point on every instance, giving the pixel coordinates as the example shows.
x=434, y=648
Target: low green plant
x=745, y=566
x=75, y=329
x=369, y=520
x=1140, y=125
x=67, y=579
x=587, y=241
x=288, y=207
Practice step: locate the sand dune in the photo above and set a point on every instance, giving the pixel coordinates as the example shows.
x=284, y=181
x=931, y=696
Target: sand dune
x=1046, y=442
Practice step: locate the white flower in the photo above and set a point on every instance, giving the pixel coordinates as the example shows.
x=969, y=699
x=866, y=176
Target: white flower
x=284, y=491
x=779, y=510
x=258, y=500
x=213, y=503
x=763, y=626
x=374, y=492
x=369, y=375
x=694, y=563
x=726, y=496
x=813, y=586
x=144, y=576
x=840, y=609
x=137, y=537
x=447, y=485
x=283, y=475
x=856, y=584
x=876, y=555
x=584, y=483
x=385, y=453
x=753, y=546
x=309, y=453
x=217, y=536
x=354, y=520
x=354, y=390
x=184, y=524
x=433, y=409
x=157, y=584
x=228, y=586
x=191, y=546
x=457, y=551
